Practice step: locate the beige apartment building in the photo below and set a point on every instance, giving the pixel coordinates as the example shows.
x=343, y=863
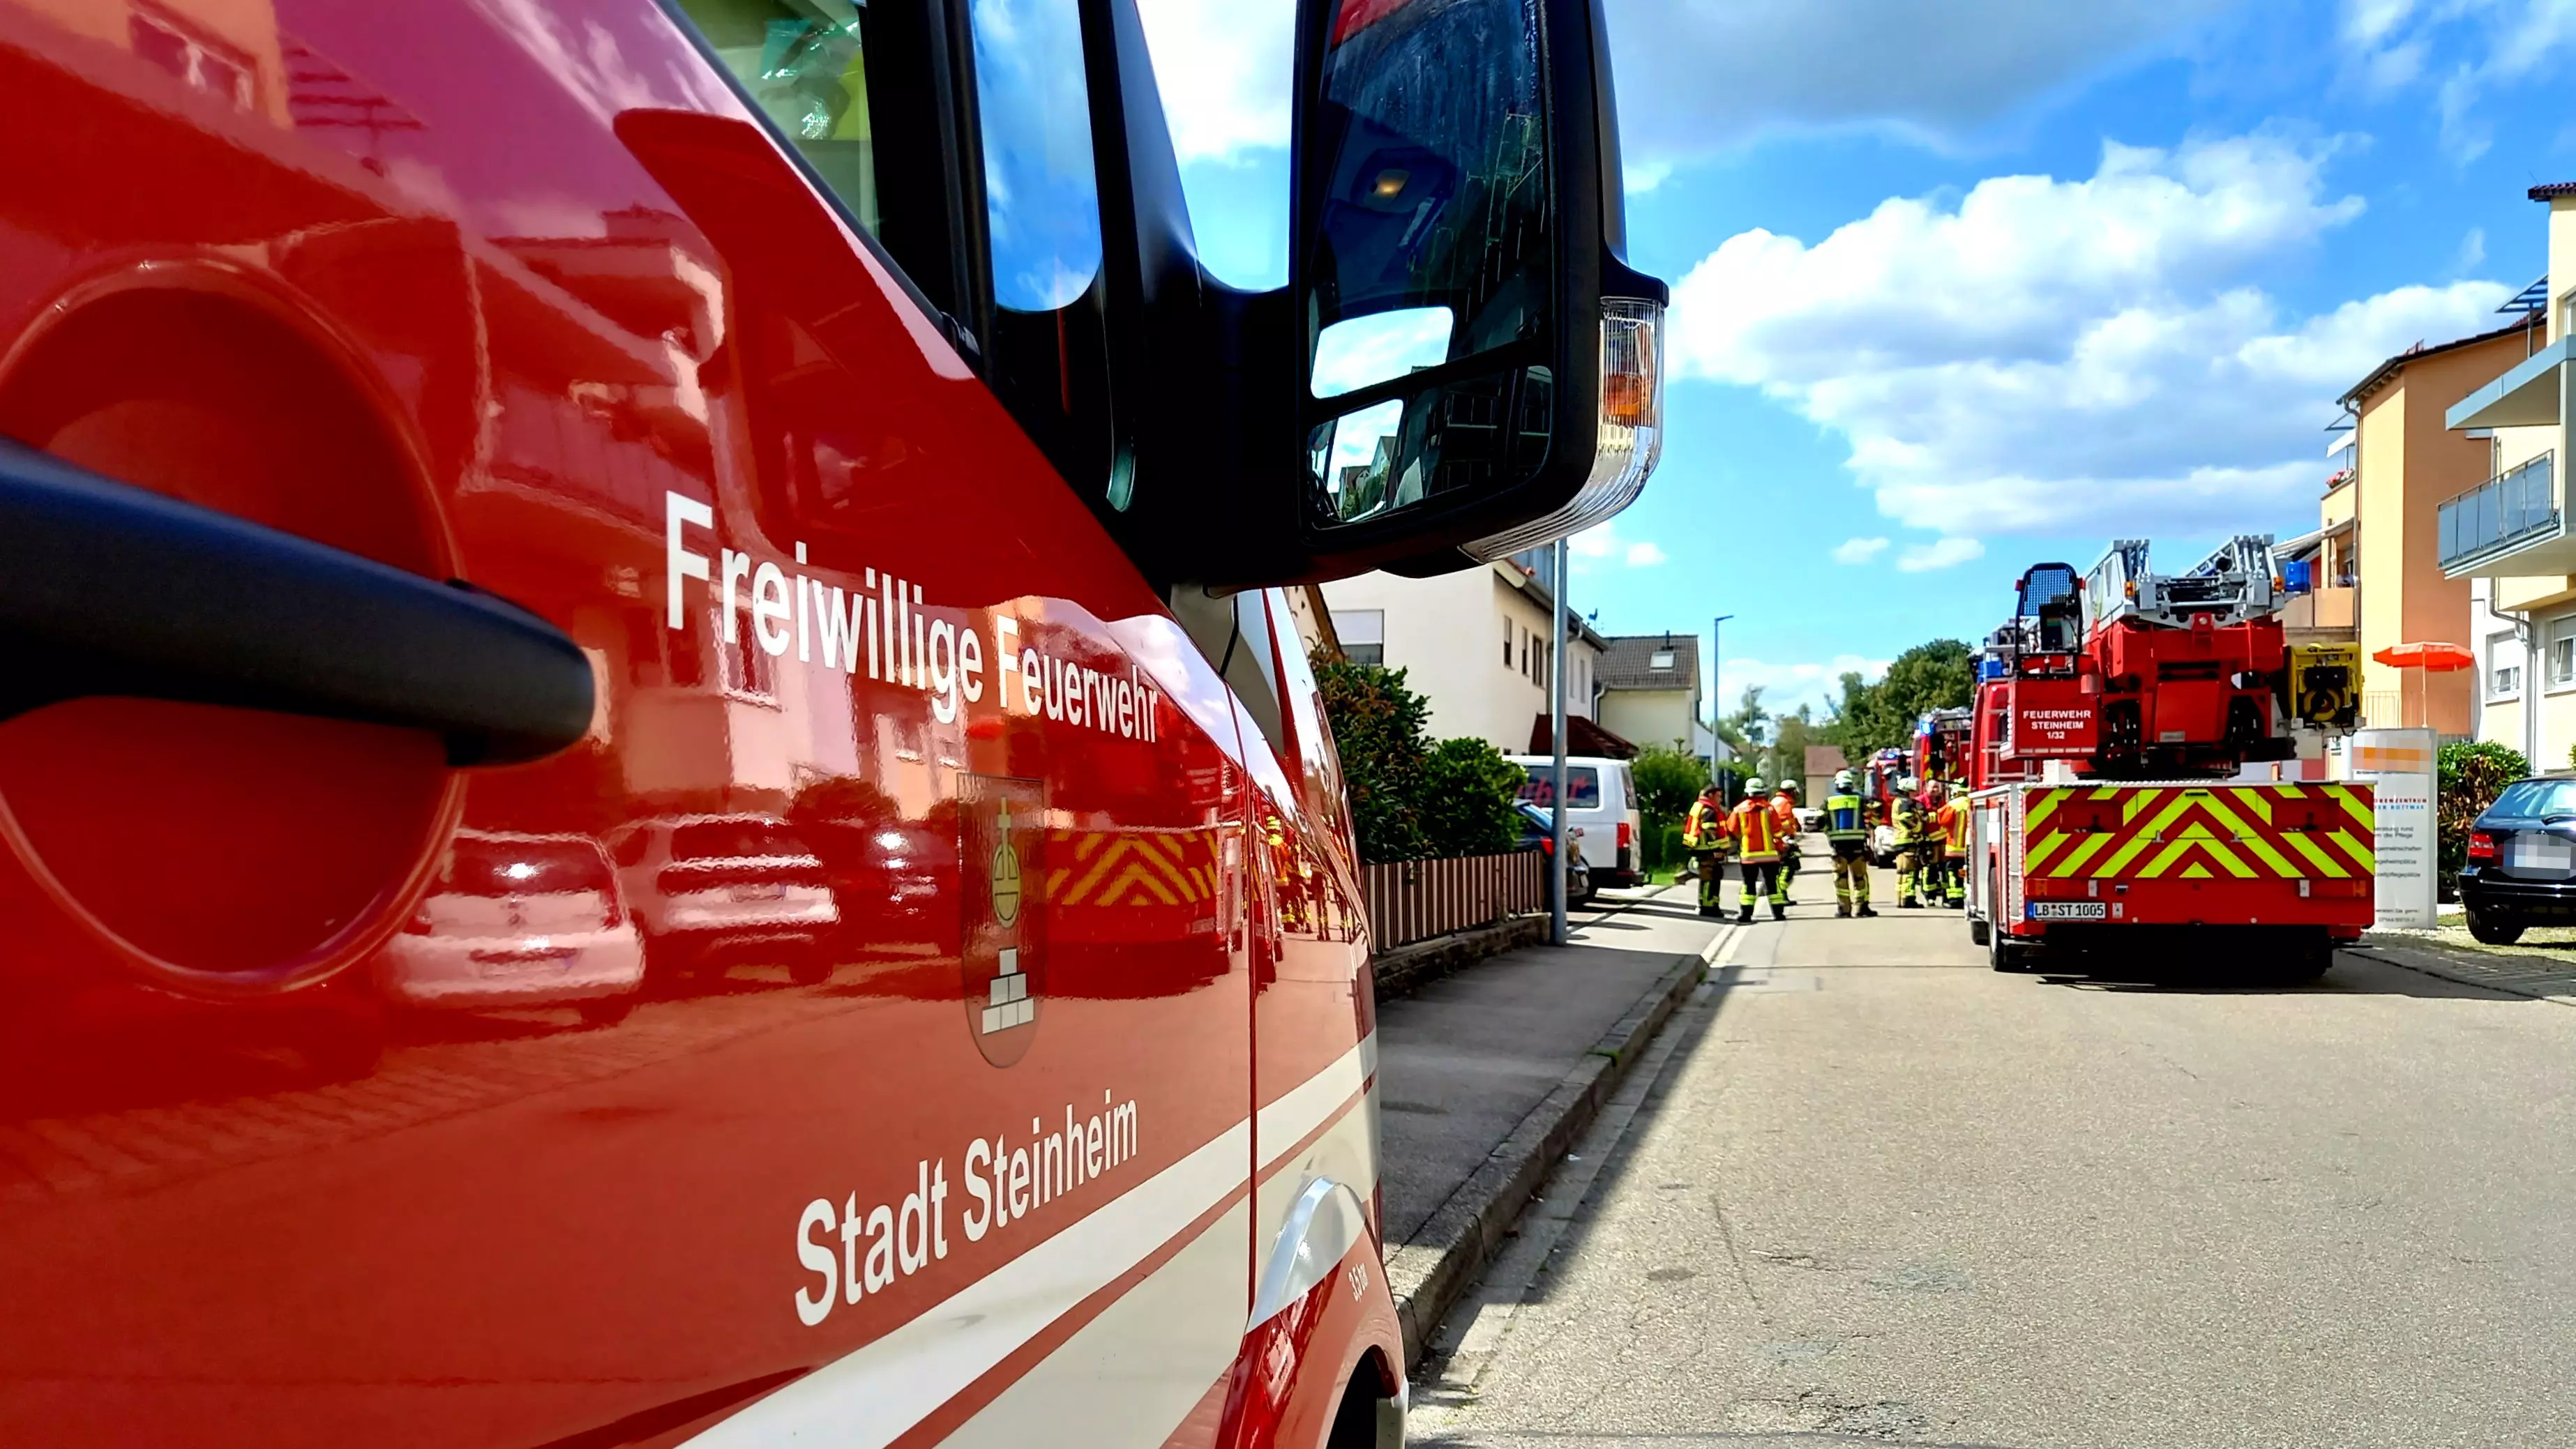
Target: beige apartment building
x=1473, y=643
x=2510, y=532
x=2383, y=574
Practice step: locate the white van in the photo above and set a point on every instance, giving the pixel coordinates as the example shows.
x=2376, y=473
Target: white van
x=1600, y=796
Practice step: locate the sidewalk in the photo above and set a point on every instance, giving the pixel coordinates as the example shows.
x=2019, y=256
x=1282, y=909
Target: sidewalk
x=2529, y=968
x=1486, y=1077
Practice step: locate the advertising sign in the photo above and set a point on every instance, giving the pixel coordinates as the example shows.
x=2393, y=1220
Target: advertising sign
x=2398, y=766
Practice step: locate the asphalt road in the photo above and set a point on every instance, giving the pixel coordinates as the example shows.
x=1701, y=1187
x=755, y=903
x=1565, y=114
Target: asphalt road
x=1868, y=1191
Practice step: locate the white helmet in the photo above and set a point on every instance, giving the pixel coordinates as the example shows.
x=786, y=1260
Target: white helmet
x=1754, y=786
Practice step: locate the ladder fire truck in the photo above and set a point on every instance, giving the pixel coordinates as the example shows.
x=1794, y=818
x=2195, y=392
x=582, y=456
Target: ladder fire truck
x=2115, y=715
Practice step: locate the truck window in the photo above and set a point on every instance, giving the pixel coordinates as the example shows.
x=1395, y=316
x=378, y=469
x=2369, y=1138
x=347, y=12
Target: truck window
x=1046, y=345
x=857, y=90
x=804, y=63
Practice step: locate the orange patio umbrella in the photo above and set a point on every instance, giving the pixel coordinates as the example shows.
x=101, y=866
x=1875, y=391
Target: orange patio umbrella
x=2432, y=658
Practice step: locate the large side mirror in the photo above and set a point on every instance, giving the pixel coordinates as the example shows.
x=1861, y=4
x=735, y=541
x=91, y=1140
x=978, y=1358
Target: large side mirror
x=1481, y=372
x=1460, y=367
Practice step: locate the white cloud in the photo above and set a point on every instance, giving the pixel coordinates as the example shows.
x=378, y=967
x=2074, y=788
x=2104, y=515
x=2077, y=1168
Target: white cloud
x=1859, y=550
x=2500, y=43
x=1602, y=541
x=1224, y=67
x=1941, y=553
x=1786, y=686
x=2047, y=355
x=1695, y=77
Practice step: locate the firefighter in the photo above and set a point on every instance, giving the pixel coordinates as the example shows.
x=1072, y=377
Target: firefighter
x=1757, y=851
x=1952, y=827
x=1905, y=817
x=1847, y=834
x=1784, y=809
x=1704, y=835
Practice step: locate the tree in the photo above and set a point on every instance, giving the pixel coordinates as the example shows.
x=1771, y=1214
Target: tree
x=1874, y=717
x=1465, y=799
x=1790, y=736
x=1668, y=779
x=1411, y=799
x=1378, y=726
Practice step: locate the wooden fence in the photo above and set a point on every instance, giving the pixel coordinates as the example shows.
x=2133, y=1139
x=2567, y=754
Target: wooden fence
x=1415, y=900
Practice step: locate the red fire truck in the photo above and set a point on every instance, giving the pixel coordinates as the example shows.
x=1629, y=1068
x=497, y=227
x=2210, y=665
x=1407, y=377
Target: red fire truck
x=652, y=786
x=2114, y=712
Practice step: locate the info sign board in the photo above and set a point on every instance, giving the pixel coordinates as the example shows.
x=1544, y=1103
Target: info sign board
x=2398, y=767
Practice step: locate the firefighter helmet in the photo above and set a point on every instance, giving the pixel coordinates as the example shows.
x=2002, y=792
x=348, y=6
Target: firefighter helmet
x=1842, y=779
x=1754, y=785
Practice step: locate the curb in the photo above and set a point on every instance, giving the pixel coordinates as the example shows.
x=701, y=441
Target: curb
x=1432, y=1271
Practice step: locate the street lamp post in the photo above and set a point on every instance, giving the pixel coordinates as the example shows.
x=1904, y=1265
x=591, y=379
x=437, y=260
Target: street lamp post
x=1556, y=738
x=1716, y=695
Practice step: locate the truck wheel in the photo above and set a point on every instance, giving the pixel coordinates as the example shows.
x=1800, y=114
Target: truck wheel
x=2004, y=953
x=2494, y=928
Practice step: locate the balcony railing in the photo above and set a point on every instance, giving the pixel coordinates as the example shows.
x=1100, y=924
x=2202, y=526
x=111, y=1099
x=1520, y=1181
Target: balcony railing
x=2502, y=511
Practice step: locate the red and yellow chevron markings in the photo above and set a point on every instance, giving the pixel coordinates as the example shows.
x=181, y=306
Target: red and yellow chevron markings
x=2198, y=832
x=1130, y=868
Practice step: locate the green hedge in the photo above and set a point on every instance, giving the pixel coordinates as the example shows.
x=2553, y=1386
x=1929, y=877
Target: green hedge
x=1412, y=799
x=2473, y=773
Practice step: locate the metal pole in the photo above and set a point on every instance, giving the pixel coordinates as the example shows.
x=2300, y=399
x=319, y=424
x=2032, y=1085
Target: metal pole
x=1716, y=697
x=1556, y=737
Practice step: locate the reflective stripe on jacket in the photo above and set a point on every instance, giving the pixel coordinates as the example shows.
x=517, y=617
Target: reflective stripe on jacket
x=1954, y=826
x=1705, y=827
x=1843, y=819
x=1757, y=831
x=1906, y=818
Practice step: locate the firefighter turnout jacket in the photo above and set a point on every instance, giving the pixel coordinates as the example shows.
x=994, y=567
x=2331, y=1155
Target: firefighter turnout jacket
x=1844, y=822
x=1705, y=827
x=1757, y=831
x=1953, y=825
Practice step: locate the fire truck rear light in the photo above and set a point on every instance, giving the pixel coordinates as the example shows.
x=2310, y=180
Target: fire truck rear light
x=1631, y=434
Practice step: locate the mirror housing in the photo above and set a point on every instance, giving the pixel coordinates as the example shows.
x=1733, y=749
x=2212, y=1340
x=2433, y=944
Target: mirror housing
x=1545, y=415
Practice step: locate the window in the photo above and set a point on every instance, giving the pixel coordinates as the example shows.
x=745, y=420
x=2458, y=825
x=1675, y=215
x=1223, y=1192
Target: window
x=745, y=669
x=1582, y=786
x=1363, y=635
x=2504, y=666
x=2562, y=653
x=1660, y=659
x=804, y=63
x=1507, y=643
x=1046, y=348
x=2532, y=799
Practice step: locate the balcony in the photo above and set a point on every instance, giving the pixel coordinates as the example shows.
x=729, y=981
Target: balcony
x=2321, y=612
x=2526, y=396
x=2508, y=525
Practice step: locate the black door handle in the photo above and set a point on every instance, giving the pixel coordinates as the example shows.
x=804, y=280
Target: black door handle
x=108, y=589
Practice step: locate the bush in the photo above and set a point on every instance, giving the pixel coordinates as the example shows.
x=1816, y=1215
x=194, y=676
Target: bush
x=1378, y=727
x=1465, y=799
x=1411, y=799
x=2472, y=774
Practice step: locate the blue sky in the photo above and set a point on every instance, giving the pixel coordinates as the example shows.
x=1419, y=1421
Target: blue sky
x=1963, y=287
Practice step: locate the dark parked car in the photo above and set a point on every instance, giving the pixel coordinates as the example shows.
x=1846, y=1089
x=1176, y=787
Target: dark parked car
x=2522, y=861
x=1538, y=832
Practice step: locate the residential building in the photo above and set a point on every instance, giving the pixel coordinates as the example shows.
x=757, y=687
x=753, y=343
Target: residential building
x=1823, y=762
x=1650, y=690
x=2383, y=524
x=2510, y=529
x=1473, y=643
